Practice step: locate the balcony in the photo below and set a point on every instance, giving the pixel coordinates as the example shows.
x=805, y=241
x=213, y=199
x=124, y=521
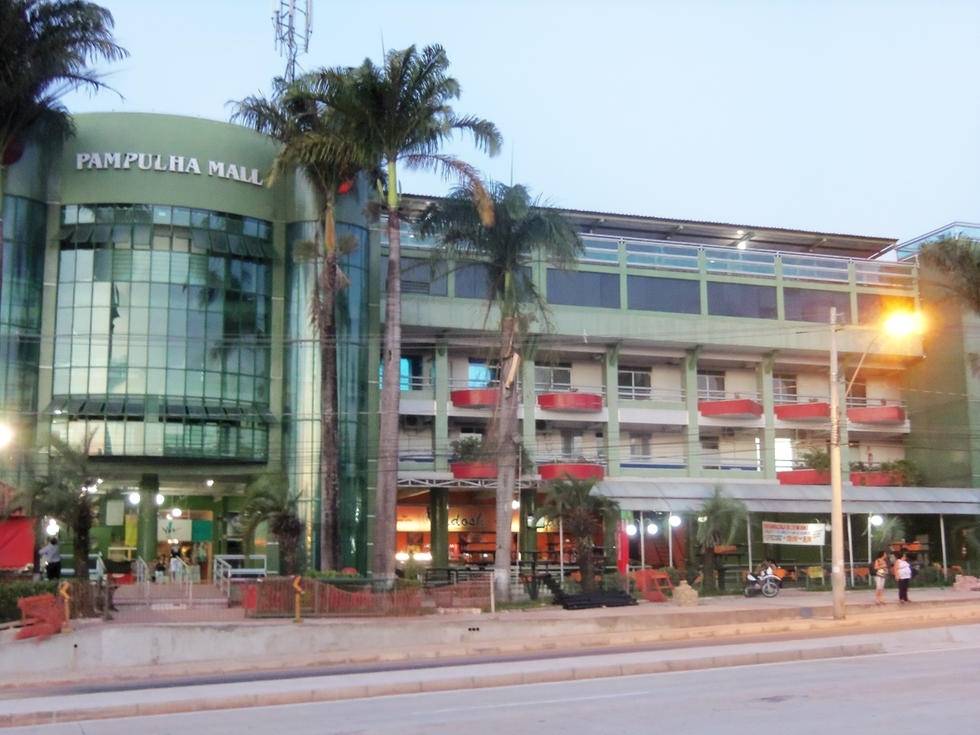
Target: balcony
x=656, y=395
x=876, y=411
x=652, y=462
x=572, y=399
x=721, y=404
x=729, y=463
x=802, y=408
x=465, y=394
x=567, y=467
x=803, y=476
x=473, y=470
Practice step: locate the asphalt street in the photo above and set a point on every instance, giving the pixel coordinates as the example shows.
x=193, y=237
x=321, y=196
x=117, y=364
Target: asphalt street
x=934, y=691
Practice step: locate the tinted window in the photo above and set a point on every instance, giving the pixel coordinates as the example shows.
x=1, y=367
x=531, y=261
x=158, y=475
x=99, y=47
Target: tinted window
x=809, y=305
x=872, y=306
x=737, y=299
x=583, y=288
x=473, y=280
x=664, y=294
x=420, y=275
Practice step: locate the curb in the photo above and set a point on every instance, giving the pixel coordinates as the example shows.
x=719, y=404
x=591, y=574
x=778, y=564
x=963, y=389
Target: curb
x=306, y=696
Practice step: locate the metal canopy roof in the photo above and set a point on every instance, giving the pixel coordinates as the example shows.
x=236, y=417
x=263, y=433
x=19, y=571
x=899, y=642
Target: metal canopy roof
x=681, y=496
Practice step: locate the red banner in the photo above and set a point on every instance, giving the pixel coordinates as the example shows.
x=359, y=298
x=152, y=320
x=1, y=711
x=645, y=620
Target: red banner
x=16, y=543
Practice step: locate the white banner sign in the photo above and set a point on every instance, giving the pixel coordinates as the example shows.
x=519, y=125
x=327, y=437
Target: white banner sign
x=800, y=534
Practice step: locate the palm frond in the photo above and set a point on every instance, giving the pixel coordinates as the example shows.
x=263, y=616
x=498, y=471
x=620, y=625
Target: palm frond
x=958, y=261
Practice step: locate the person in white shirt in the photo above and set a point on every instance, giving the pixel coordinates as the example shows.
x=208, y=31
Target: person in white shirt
x=51, y=555
x=903, y=575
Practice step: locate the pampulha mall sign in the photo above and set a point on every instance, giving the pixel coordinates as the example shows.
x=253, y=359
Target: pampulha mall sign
x=168, y=163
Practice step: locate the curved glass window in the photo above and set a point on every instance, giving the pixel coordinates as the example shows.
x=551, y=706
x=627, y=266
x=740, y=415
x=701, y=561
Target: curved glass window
x=172, y=318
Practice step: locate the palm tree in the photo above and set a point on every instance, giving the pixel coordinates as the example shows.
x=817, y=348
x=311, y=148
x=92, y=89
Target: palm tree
x=47, y=46
x=581, y=514
x=267, y=499
x=300, y=115
x=521, y=230
x=719, y=521
x=958, y=260
x=401, y=112
x=67, y=494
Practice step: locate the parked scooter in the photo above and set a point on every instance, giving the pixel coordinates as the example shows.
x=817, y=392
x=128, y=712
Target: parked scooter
x=764, y=582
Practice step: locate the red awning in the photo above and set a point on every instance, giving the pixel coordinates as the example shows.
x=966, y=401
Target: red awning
x=16, y=543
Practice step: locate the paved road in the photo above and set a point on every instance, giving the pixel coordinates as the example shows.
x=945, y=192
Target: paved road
x=891, y=693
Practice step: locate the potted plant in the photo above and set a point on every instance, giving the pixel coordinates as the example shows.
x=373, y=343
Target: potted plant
x=901, y=472
x=469, y=460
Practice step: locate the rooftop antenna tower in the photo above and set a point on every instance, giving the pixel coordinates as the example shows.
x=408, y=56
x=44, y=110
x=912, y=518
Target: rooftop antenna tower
x=293, y=22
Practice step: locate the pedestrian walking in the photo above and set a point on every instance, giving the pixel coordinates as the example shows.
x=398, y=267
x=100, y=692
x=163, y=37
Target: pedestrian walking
x=51, y=555
x=903, y=575
x=881, y=574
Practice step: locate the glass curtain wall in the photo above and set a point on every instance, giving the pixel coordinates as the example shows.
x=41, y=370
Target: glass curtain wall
x=301, y=429
x=20, y=324
x=162, y=332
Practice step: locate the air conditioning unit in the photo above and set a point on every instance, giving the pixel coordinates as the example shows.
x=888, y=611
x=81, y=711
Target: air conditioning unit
x=728, y=431
x=540, y=425
x=416, y=422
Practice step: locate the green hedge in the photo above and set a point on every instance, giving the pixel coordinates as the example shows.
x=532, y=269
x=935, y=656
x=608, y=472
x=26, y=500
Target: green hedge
x=10, y=592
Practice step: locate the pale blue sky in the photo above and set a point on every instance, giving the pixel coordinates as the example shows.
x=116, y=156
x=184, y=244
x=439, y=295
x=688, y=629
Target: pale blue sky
x=858, y=116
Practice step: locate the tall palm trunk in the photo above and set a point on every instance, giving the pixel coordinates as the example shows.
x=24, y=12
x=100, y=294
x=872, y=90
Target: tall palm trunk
x=82, y=527
x=327, y=329
x=2, y=248
x=502, y=443
x=387, y=484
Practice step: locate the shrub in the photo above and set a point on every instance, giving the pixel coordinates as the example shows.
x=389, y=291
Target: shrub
x=816, y=459
x=10, y=592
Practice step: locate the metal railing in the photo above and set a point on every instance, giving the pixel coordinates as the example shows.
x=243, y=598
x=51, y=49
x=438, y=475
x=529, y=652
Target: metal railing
x=723, y=462
x=783, y=399
x=569, y=388
x=713, y=394
x=653, y=462
x=641, y=393
x=228, y=567
x=471, y=384
x=865, y=402
x=570, y=458
x=221, y=574
x=415, y=382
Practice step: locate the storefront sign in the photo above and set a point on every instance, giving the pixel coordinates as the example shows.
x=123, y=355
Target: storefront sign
x=799, y=534
x=98, y=161
x=181, y=529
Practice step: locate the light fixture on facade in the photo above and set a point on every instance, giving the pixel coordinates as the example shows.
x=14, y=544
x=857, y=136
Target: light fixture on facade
x=209, y=482
x=630, y=529
x=876, y=520
x=159, y=499
x=6, y=435
x=652, y=529
x=134, y=498
x=98, y=481
x=176, y=512
x=422, y=556
x=515, y=504
x=675, y=521
x=401, y=556
x=702, y=519
x=739, y=233
x=742, y=244
x=52, y=528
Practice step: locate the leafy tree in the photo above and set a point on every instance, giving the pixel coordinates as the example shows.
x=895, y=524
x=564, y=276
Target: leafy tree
x=582, y=514
x=267, y=499
x=957, y=259
x=47, y=46
x=719, y=522
x=301, y=115
x=67, y=494
x=401, y=113
x=522, y=230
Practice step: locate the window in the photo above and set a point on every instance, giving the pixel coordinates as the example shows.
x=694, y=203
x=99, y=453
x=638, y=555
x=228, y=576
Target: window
x=784, y=453
x=858, y=395
x=571, y=444
x=420, y=275
x=709, y=444
x=639, y=445
x=810, y=305
x=674, y=295
x=711, y=385
x=552, y=377
x=482, y=374
x=411, y=373
x=634, y=383
x=583, y=288
x=784, y=388
x=473, y=281
x=737, y=299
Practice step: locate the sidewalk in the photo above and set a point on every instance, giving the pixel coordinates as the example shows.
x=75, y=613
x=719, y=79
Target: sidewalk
x=130, y=652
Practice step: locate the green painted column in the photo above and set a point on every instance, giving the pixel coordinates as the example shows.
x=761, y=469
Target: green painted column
x=769, y=415
x=439, y=526
x=611, y=382
x=529, y=507
x=146, y=529
x=690, y=366
x=440, y=437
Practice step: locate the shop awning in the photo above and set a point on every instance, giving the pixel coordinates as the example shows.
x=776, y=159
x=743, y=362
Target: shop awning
x=680, y=496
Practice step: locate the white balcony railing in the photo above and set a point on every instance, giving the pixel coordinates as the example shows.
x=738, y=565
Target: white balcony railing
x=640, y=393
x=712, y=394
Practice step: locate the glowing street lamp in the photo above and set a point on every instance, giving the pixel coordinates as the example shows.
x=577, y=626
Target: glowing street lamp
x=896, y=324
x=6, y=435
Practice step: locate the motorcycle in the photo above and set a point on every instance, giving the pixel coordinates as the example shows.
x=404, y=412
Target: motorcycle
x=764, y=583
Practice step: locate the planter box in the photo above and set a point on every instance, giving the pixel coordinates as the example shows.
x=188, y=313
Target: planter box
x=819, y=411
x=475, y=397
x=876, y=478
x=804, y=477
x=570, y=401
x=740, y=408
x=571, y=471
x=473, y=470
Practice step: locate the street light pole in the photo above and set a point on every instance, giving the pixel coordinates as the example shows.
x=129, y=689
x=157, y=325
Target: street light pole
x=836, y=488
